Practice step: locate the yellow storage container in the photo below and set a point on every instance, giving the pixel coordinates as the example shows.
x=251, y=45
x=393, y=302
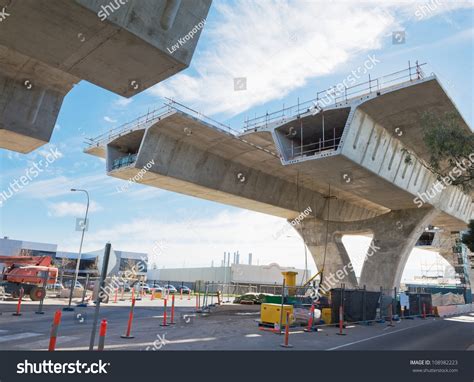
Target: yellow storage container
x=326, y=315
x=271, y=313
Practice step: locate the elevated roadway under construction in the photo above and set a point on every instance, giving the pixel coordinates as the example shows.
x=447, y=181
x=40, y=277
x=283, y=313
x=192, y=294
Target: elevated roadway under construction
x=347, y=161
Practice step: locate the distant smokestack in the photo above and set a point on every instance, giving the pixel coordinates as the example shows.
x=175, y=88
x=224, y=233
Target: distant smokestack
x=250, y=259
x=235, y=257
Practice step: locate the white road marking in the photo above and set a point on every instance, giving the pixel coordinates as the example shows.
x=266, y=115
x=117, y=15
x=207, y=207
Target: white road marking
x=19, y=336
x=380, y=335
x=43, y=344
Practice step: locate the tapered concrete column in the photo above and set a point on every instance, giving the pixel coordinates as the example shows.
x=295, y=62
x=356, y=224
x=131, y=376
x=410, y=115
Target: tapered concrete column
x=334, y=259
x=394, y=236
x=31, y=94
x=443, y=243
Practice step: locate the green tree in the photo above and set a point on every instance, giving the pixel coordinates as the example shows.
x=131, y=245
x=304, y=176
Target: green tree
x=449, y=147
x=468, y=237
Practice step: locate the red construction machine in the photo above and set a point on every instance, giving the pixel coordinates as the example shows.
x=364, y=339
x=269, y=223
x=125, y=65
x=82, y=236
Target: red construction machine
x=32, y=273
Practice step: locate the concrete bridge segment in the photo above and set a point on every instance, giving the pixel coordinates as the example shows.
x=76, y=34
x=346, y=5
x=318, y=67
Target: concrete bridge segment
x=284, y=167
x=47, y=46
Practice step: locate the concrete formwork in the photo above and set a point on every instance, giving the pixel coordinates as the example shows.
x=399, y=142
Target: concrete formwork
x=47, y=46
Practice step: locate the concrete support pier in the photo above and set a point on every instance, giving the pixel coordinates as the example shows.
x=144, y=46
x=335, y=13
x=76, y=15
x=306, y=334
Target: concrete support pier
x=47, y=46
x=394, y=235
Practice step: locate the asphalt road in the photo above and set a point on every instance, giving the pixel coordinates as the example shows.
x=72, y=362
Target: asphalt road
x=455, y=333
x=233, y=328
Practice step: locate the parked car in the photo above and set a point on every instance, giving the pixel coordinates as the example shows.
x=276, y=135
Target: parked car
x=170, y=288
x=156, y=287
x=91, y=285
x=125, y=286
x=67, y=284
x=55, y=286
x=185, y=289
x=143, y=286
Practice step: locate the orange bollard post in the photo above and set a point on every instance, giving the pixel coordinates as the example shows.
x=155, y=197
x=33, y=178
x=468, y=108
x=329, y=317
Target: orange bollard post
x=164, y=314
x=391, y=316
x=18, y=306
x=122, y=294
x=102, y=333
x=116, y=295
x=130, y=320
x=341, y=320
x=133, y=294
x=54, y=330
x=152, y=296
x=189, y=295
x=181, y=294
x=424, y=311
x=287, y=332
x=197, y=302
x=172, y=310
x=310, y=327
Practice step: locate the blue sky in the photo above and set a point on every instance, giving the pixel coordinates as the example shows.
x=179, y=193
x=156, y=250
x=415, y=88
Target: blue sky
x=285, y=50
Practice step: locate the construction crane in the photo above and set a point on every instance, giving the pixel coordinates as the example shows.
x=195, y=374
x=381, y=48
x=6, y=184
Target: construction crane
x=29, y=273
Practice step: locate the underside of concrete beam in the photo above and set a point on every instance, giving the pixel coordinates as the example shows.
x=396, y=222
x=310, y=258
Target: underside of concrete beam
x=122, y=46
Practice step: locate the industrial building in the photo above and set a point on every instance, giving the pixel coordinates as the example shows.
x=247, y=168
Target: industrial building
x=91, y=262
x=233, y=274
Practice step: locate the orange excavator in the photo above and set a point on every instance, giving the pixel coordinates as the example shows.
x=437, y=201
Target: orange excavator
x=30, y=273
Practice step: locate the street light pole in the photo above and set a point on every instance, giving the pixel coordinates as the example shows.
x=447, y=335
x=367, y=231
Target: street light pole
x=69, y=307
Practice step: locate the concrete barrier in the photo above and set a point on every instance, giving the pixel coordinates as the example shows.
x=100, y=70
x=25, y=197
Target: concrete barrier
x=450, y=310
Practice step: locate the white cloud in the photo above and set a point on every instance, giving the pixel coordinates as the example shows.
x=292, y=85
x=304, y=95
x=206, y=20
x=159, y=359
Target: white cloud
x=110, y=120
x=62, y=209
x=279, y=46
x=61, y=185
x=199, y=240
x=122, y=102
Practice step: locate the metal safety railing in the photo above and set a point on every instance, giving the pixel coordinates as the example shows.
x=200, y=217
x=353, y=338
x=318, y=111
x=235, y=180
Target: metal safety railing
x=128, y=127
x=337, y=94
x=313, y=148
x=153, y=116
x=202, y=117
